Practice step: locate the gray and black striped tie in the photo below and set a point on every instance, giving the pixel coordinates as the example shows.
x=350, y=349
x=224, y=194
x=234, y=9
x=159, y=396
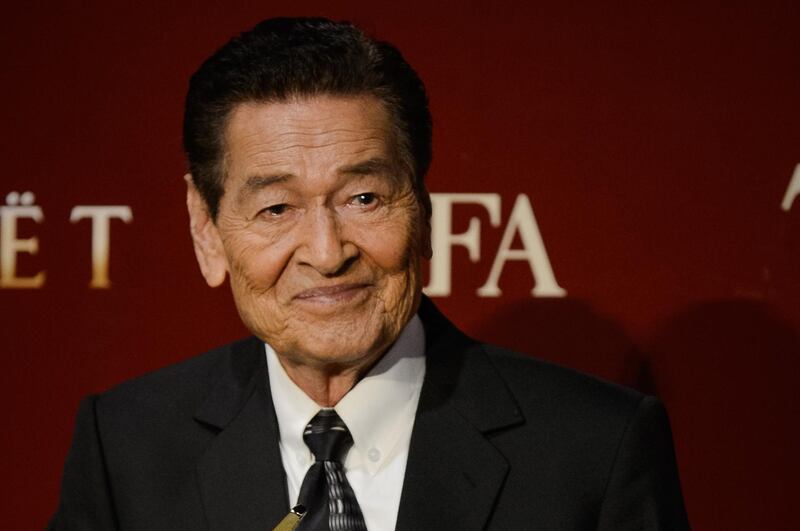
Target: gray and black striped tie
x=327, y=496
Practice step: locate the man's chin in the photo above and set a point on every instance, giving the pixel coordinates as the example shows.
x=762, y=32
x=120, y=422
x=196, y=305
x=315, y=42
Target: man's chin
x=333, y=354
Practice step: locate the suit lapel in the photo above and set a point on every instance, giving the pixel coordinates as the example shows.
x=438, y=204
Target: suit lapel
x=241, y=477
x=454, y=474
x=452, y=477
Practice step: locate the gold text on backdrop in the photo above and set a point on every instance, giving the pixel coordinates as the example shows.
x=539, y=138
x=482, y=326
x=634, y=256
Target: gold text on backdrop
x=793, y=190
x=521, y=220
x=21, y=206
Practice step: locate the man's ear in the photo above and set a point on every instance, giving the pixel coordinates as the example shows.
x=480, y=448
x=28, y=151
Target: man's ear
x=208, y=246
x=427, y=210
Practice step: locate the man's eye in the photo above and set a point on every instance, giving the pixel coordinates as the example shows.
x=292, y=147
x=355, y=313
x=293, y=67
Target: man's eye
x=364, y=199
x=275, y=210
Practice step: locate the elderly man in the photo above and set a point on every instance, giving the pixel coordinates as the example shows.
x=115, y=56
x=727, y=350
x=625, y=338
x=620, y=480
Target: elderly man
x=307, y=144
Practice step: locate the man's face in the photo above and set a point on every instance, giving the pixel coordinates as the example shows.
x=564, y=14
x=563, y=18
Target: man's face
x=319, y=229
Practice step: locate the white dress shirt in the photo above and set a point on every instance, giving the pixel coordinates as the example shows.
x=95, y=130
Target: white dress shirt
x=379, y=412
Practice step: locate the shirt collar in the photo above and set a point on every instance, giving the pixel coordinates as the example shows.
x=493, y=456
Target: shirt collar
x=379, y=410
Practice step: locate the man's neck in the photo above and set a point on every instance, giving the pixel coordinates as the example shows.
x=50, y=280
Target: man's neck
x=324, y=385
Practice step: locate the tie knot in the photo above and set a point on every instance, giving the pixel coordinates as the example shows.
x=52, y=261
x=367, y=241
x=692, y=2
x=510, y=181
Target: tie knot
x=327, y=436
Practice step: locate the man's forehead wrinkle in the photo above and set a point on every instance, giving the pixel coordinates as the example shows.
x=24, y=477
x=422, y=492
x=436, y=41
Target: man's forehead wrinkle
x=261, y=163
x=255, y=142
x=315, y=129
x=279, y=149
x=332, y=137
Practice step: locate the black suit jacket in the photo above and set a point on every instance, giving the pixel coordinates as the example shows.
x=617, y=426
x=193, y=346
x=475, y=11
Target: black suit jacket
x=500, y=442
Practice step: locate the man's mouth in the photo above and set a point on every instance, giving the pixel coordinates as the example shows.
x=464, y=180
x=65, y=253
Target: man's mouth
x=332, y=294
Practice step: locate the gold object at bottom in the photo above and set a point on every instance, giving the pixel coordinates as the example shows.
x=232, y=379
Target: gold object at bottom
x=291, y=520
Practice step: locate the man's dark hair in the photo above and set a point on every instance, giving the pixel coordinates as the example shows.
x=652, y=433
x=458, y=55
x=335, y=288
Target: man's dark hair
x=282, y=58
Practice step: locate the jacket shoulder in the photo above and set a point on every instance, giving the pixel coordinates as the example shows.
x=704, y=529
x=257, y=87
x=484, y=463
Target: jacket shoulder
x=601, y=453
x=565, y=392
x=178, y=386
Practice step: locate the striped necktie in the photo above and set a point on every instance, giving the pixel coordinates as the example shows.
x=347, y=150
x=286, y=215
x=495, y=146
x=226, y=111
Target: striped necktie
x=329, y=500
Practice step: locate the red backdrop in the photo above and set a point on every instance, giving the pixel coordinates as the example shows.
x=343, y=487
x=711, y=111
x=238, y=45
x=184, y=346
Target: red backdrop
x=656, y=144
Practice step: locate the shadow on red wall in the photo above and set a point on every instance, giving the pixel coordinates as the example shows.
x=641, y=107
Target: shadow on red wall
x=727, y=371
x=570, y=333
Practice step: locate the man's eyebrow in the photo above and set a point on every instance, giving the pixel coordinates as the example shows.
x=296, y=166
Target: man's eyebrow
x=374, y=166
x=254, y=183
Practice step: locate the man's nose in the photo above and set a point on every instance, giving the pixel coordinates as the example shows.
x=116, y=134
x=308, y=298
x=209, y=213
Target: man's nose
x=324, y=246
